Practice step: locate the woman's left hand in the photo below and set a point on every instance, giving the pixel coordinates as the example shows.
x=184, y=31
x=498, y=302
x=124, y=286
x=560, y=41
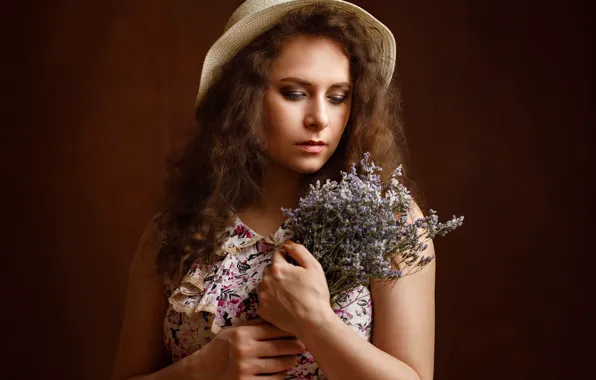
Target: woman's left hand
x=294, y=298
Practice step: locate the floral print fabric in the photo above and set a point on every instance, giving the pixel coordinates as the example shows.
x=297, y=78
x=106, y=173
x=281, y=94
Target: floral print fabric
x=207, y=301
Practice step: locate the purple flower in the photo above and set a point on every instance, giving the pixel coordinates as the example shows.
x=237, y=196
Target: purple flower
x=358, y=228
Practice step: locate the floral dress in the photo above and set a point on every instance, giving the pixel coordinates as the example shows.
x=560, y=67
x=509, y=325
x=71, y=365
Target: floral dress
x=205, y=303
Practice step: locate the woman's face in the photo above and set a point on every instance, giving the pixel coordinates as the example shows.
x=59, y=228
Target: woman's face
x=307, y=103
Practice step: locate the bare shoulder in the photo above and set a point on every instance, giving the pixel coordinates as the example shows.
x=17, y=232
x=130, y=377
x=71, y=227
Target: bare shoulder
x=141, y=348
x=144, y=259
x=404, y=314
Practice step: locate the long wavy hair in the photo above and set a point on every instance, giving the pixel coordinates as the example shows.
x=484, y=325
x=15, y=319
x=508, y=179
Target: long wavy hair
x=220, y=167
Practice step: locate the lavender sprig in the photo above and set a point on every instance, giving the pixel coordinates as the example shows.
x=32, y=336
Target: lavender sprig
x=358, y=227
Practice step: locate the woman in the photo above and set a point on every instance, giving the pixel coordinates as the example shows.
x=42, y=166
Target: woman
x=294, y=91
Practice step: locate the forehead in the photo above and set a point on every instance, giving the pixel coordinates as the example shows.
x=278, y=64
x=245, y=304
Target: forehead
x=315, y=59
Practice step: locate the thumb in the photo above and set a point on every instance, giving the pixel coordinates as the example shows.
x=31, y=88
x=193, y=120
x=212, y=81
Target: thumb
x=300, y=254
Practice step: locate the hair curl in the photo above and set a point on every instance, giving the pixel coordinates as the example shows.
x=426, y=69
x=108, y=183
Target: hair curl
x=220, y=168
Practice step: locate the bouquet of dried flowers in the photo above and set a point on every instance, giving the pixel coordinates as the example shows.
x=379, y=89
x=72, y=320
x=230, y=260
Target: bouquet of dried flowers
x=356, y=228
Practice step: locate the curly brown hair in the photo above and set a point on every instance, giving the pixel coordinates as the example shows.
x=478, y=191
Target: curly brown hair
x=219, y=170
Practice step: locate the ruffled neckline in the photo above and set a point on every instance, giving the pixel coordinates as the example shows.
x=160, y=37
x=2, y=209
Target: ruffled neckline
x=244, y=254
x=240, y=236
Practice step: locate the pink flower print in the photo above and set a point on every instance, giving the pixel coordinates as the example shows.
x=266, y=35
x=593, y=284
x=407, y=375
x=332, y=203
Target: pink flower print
x=264, y=247
x=241, y=266
x=174, y=317
x=234, y=301
x=308, y=358
x=236, y=307
x=243, y=231
x=342, y=313
x=186, y=336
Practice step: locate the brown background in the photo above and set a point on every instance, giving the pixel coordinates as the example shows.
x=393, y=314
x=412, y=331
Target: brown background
x=498, y=103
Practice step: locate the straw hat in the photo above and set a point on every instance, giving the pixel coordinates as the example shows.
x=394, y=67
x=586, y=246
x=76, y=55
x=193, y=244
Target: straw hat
x=255, y=17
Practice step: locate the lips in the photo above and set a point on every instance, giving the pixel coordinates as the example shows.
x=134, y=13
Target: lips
x=312, y=142
x=312, y=146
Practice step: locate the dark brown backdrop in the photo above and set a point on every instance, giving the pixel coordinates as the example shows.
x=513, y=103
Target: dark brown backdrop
x=497, y=100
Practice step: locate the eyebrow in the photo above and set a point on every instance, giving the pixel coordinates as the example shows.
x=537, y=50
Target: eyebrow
x=308, y=84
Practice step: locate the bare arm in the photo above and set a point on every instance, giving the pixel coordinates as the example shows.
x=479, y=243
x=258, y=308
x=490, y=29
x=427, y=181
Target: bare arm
x=141, y=352
x=403, y=334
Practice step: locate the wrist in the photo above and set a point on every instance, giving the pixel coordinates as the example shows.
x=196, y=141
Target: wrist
x=316, y=322
x=196, y=360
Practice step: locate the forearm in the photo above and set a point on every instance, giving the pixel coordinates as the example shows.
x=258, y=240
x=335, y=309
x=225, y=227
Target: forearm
x=344, y=355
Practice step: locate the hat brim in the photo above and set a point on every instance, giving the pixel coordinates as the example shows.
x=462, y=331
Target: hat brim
x=253, y=25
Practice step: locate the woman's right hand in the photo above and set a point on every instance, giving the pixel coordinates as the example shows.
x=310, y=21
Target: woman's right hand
x=248, y=350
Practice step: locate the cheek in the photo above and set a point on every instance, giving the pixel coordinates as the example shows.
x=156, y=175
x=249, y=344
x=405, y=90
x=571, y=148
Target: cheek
x=281, y=118
x=272, y=113
x=342, y=121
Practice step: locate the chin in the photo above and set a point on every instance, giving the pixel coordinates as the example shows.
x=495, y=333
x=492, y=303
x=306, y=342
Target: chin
x=307, y=166
x=299, y=163
x=306, y=171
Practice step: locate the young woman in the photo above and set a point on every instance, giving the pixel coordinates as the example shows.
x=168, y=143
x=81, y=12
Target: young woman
x=294, y=91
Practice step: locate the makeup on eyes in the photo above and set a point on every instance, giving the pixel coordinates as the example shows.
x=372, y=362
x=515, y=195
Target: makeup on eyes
x=292, y=93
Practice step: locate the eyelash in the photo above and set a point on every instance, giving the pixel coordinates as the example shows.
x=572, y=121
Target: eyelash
x=293, y=95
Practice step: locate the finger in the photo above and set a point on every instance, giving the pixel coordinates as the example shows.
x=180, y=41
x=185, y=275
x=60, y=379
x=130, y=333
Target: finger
x=278, y=258
x=267, y=331
x=300, y=254
x=266, y=270
x=279, y=347
x=276, y=364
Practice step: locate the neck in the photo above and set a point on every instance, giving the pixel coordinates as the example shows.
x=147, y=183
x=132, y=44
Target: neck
x=281, y=189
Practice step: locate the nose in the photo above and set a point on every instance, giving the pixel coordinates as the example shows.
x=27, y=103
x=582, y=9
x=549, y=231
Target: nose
x=316, y=117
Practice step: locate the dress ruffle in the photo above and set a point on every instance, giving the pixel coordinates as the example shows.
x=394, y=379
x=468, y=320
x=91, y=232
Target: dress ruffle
x=228, y=289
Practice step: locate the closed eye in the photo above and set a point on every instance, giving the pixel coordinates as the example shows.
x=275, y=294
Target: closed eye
x=338, y=99
x=294, y=95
